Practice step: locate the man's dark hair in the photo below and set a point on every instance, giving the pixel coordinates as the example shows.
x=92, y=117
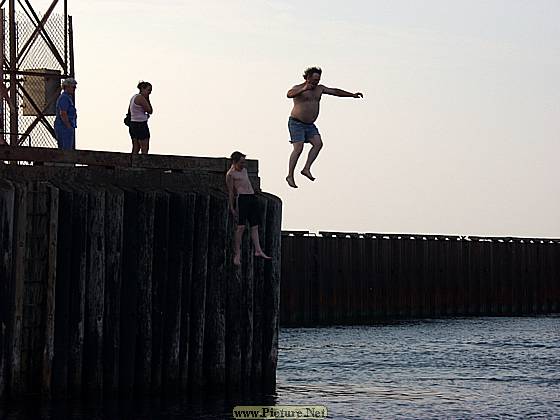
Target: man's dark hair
x=143, y=85
x=236, y=156
x=308, y=72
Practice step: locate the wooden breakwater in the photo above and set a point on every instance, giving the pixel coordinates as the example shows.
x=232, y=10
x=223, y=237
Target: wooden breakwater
x=349, y=278
x=116, y=278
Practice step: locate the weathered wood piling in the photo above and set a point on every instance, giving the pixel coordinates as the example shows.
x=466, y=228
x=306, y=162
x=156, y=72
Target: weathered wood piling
x=350, y=278
x=116, y=278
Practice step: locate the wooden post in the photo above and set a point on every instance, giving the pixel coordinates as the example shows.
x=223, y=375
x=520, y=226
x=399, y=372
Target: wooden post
x=173, y=306
x=498, y=255
x=485, y=276
x=143, y=370
x=233, y=319
x=50, y=295
x=215, y=324
x=7, y=223
x=16, y=290
x=62, y=293
x=258, y=301
x=95, y=294
x=129, y=292
x=359, y=275
x=549, y=276
x=398, y=265
x=534, y=266
x=78, y=274
x=524, y=276
x=369, y=278
x=186, y=287
x=198, y=293
x=114, y=225
x=345, y=281
x=272, y=293
x=246, y=314
x=305, y=279
x=555, y=278
x=160, y=269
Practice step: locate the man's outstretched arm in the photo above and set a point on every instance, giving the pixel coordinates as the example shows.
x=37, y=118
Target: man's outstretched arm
x=341, y=93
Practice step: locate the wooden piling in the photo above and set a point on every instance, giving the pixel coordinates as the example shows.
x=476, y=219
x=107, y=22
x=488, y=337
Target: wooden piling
x=95, y=293
x=129, y=292
x=215, y=323
x=114, y=220
x=160, y=267
x=7, y=223
x=16, y=293
x=258, y=298
x=78, y=274
x=272, y=293
x=146, y=211
x=62, y=294
x=198, y=293
x=187, y=203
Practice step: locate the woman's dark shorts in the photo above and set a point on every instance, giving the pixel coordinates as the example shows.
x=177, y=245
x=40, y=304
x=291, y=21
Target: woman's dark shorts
x=248, y=210
x=139, y=130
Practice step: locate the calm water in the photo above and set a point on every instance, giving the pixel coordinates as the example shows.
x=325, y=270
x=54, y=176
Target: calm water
x=484, y=367
x=454, y=368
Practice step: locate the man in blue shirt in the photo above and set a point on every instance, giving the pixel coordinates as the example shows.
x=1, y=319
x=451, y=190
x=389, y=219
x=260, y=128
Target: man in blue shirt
x=66, y=116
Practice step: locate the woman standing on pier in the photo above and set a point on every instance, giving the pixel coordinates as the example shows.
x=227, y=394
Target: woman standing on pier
x=140, y=110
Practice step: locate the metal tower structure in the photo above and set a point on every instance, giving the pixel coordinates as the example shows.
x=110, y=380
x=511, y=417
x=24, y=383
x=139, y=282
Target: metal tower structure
x=36, y=52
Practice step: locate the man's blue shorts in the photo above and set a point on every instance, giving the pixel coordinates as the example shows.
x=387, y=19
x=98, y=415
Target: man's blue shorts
x=300, y=131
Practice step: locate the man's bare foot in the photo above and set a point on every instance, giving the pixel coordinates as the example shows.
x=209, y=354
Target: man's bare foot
x=262, y=255
x=290, y=181
x=237, y=260
x=307, y=174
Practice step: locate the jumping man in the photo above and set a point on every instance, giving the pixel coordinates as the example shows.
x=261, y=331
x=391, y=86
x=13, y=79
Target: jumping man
x=247, y=208
x=301, y=125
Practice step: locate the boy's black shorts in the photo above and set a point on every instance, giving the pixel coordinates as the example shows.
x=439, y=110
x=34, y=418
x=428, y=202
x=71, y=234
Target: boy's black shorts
x=248, y=210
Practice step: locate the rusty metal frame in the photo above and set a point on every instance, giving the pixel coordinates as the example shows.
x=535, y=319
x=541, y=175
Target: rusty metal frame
x=11, y=87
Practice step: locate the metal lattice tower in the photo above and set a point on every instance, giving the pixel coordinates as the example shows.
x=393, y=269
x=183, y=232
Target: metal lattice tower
x=37, y=52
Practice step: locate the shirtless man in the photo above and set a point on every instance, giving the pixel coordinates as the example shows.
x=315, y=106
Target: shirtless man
x=301, y=125
x=243, y=205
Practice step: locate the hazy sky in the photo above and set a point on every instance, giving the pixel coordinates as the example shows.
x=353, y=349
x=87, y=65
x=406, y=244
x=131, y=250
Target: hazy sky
x=458, y=132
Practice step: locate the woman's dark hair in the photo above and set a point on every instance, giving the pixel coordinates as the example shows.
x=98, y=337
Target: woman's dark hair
x=308, y=72
x=236, y=156
x=143, y=85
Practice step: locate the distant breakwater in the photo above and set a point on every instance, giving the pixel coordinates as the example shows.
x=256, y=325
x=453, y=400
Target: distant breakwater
x=337, y=278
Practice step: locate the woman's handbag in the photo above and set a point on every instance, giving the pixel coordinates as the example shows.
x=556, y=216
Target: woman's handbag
x=127, y=119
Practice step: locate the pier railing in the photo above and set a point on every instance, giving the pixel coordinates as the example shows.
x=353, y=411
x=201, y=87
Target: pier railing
x=358, y=278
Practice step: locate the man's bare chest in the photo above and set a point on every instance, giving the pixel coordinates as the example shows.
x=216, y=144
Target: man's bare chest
x=310, y=96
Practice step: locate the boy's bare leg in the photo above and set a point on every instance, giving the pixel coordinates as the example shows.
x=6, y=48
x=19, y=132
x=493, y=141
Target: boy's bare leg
x=294, y=156
x=317, y=145
x=237, y=244
x=255, y=237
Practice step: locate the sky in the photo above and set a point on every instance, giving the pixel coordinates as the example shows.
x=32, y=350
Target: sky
x=458, y=131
